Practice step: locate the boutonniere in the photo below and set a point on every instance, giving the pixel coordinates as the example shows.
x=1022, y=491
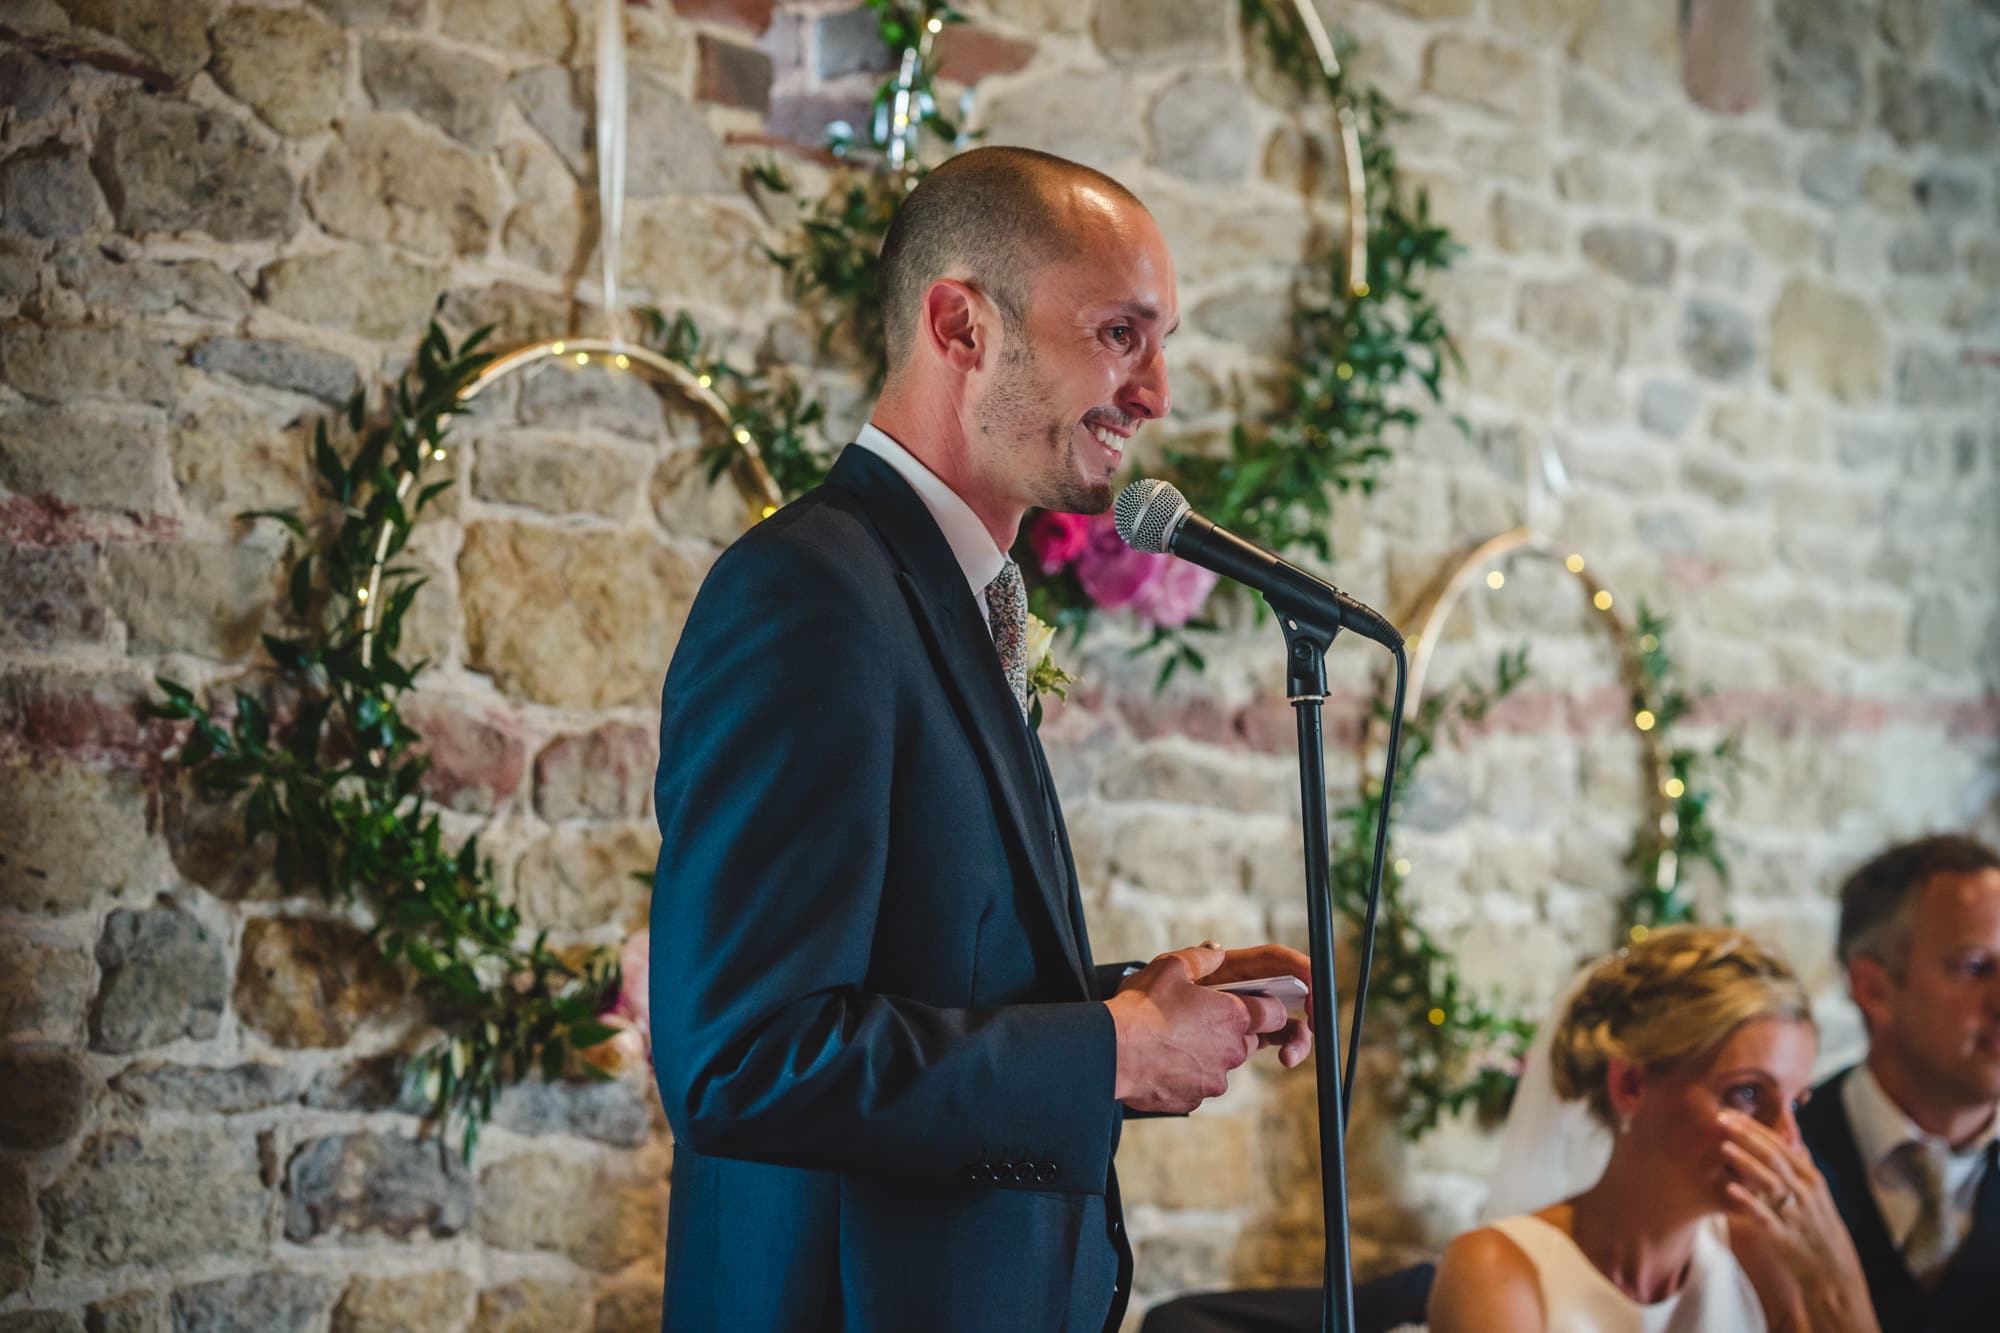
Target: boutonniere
x=1044, y=676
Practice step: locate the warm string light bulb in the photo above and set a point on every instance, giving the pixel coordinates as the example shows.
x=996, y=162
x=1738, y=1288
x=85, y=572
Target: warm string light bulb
x=361, y=594
x=1649, y=643
x=1639, y=934
x=1574, y=564
x=1674, y=788
x=1602, y=601
x=1402, y=865
x=1437, y=1018
x=1644, y=719
x=1496, y=580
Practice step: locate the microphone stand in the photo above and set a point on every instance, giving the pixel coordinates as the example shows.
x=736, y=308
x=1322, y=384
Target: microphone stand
x=1308, y=635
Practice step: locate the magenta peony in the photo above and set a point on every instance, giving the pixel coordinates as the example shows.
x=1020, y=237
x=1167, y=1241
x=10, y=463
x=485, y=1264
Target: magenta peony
x=1058, y=539
x=1112, y=573
x=1173, y=598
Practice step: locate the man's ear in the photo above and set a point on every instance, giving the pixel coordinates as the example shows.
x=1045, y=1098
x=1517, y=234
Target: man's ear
x=1873, y=989
x=954, y=327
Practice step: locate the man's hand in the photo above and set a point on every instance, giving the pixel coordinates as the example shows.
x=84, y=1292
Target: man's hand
x=1178, y=1040
x=1294, y=1038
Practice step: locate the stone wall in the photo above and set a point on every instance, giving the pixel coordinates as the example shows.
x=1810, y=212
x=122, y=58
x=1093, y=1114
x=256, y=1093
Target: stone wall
x=1737, y=261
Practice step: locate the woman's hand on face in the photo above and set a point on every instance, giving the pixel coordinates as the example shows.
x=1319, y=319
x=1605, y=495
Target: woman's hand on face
x=1780, y=1204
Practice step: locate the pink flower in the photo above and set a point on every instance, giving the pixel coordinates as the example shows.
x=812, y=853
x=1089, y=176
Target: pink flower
x=1173, y=598
x=634, y=997
x=1058, y=538
x=1112, y=573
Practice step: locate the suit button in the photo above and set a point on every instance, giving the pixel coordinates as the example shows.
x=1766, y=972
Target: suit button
x=1045, y=1172
x=975, y=1173
x=1024, y=1172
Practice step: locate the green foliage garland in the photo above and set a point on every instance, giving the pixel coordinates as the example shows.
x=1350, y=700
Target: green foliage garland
x=335, y=776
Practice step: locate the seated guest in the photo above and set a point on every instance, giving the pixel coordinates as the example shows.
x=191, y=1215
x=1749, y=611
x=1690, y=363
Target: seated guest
x=1907, y=1138
x=1693, y=1048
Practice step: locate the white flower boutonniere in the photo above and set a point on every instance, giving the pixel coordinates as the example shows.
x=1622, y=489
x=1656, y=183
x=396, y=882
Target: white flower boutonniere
x=1044, y=676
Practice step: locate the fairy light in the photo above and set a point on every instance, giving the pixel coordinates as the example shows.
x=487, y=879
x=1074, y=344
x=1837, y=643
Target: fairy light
x=1402, y=865
x=1644, y=719
x=935, y=25
x=1574, y=564
x=768, y=511
x=742, y=435
x=1638, y=934
x=1361, y=289
x=437, y=455
x=583, y=358
x=558, y=349
x=622, y=361
x=1674, y=788
x=1344, y=371
x=1602, y=601
x=704, y=380
x=1649, y=643
x=1437, y=1018
x=1496, y=580
x=361, y=594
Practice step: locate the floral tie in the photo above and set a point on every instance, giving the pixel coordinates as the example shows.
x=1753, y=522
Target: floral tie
x=1934, y=1238
x=1007, y=616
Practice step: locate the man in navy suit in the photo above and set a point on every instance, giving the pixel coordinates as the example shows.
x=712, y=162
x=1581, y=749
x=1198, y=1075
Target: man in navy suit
x=1907, y=1139
x=894, y=1075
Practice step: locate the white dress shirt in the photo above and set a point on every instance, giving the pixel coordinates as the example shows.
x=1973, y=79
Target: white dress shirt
x=978, y=556
x=1880, y=1127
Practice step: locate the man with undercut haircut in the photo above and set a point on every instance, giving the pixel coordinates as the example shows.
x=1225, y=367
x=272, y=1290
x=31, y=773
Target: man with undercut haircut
x=894, y=1074
x=1907, y=1139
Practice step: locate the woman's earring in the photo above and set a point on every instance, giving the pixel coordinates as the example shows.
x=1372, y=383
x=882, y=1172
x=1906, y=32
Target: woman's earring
x=1624, y=1122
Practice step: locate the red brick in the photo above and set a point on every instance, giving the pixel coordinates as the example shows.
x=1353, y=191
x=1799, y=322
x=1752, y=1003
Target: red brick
x=754, y=15
x=967, y=54
x=477, y=760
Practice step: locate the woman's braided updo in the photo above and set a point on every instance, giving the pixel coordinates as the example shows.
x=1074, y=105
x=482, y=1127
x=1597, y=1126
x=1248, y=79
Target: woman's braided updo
x=1672, y=998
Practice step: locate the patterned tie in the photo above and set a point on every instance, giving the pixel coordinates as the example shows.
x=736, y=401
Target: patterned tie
x=1934, y=1238
x=1007, y=616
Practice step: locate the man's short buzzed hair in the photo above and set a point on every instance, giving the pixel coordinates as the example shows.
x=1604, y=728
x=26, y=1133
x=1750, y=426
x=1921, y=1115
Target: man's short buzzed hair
x=988, y=213
x=1879, y=899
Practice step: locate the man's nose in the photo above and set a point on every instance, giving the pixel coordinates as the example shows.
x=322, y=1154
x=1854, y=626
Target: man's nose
x=1146, y=394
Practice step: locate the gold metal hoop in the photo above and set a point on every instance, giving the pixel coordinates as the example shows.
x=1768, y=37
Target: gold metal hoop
x=1426, y=619
x=1350, y=152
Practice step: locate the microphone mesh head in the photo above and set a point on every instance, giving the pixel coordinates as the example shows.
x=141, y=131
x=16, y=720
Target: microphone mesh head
x=1147, y=513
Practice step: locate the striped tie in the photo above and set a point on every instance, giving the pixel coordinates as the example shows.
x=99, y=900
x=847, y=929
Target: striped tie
x=1934, y=1238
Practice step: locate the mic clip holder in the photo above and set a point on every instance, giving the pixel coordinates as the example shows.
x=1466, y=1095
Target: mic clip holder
x=1307, y=638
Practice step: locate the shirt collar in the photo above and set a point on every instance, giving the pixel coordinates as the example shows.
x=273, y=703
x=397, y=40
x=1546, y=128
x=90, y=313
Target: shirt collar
x=978, y=557
x=1880, y=1126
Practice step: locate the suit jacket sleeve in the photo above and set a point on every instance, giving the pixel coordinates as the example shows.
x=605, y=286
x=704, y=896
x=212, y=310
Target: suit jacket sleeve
x=778, y=733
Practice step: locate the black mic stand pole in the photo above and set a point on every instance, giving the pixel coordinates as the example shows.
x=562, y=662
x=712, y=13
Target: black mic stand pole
x=1305, y=688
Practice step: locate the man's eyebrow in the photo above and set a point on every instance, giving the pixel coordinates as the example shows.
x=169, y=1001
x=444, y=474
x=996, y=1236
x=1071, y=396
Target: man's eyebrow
x=1149, y=313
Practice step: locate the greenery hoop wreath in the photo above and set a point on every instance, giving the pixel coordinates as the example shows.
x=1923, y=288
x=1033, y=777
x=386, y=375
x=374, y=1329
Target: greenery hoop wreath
x=329, y=768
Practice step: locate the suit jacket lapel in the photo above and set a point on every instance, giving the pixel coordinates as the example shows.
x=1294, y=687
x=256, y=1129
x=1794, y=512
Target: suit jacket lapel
x=1823, y=1124
x=1971, y=1289
x=948, y=615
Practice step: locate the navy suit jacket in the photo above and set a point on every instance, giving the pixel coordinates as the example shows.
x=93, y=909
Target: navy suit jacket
x=1968, y=1298
x=890, y=1092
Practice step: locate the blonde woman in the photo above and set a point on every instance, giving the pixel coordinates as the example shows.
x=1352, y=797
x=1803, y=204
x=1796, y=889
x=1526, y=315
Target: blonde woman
x=1694, y=1049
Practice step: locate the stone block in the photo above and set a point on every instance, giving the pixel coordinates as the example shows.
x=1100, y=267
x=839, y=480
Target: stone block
x=373, y=1084
x=169, y=166
x=164, y=977
x=379, y=181
x=571, y=618
x=1926, y=377
x=452, y=89
x=1510, y=373
x=559, y=476
x=1485, y=74
x=1831, y=172
x=1643, y=256
x=287, y=65
x=345, y=1186
x=601, y=774
x=40, y=1321
x=1784, y=237
x=229, y=456
x=1948, y=195
x=364, y=290
x=198, y=598
x=678, y=154
x=1667, y=409
x=699, y=252
x=1522, y=225
x=1590, y=112
x=57, y=594
x=542, y=30
x=1724, y=264
x=1159, y=31
x=529, y=1305
x=549, y=98
x=1828, y=339
x=66, y=362
x=171, y=34
x=420, y=1303
x=688, y=505
x=375, y=13
x=618, y=1113
x=1252, y=319
x=1696, y=193
x=48, y=192
x=327, y=376
x=86, y=457
x=1199, y=126
x=44, y=988
x=73, y=832
x=20, y=1241
x=305, y=983
x=1570, y=316
x=967, y=54
x=1929, y=110
x=478, y=757
x=29, y=85
x=1716, y=340
x=155, y=287
x=600, y=1219
x=583, y=879
x=1088, y=120
x=1819, y=69
x=268, y=1302
x=544, y=230
x=1545, y=22
x=1208, y=1160
x=1924, y=251
x=1595, y=178
x=730, y=75
x=628, y=1308
x=160, y=1197
x=45, y=1096
x=1725, y=62
x=131, y=1312
x=227, y=1089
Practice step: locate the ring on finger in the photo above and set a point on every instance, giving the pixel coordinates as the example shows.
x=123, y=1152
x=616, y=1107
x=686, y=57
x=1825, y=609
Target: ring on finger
x=1791, y=1197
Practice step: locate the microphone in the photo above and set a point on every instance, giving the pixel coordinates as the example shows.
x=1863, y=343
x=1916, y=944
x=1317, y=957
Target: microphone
x=1152, y=515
